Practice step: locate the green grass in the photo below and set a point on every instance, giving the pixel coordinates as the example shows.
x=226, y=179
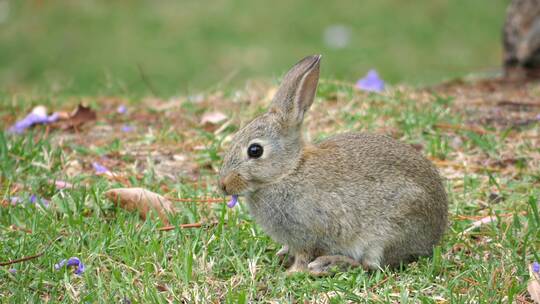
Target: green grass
x=170, y=47
x=233, y=261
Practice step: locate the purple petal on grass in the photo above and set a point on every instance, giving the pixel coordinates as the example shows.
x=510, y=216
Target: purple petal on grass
x=14, y=200
x=233, y=201
x=32, y=119
x=371, y=82
x=53, y=117
x=12, y=270
x=127, y=128
x=536, y=267
x=100, y=169
x=60, y=264
x=34, y=199
x=73, y=261
x=122, y=109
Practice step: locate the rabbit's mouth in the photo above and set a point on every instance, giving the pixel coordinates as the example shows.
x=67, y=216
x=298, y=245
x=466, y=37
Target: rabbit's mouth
x=233, y=184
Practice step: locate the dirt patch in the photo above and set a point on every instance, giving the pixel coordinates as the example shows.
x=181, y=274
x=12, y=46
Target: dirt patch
x=496, y=102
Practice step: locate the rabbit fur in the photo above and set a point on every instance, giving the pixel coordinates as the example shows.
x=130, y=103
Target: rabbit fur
x=353, y=199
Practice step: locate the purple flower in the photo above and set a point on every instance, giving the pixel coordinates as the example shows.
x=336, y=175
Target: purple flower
x=33, y=199
x=121, y=109
x=12, y=270
x=536, y=267
x=371, y=82
x=34, y=118
x=127, y=128
x=233, y=201
x=14, y=200
x=100, y=169
x=73, y=261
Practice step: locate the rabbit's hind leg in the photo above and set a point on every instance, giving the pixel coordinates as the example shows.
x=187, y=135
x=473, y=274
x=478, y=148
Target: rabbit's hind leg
x=325, y=264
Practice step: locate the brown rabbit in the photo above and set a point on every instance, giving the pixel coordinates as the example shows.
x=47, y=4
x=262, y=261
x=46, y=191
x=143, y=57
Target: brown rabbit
x=352, y=199
x=521, y=39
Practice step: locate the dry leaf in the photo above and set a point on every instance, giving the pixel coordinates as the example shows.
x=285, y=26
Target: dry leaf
x=213, y=118
x=480, y=222
x=73, y=168
x=141, y=200
x=77, y=118
x=534, y=285
x=60, y=184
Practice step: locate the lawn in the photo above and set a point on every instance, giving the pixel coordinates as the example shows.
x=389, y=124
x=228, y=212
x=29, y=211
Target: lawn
x=487, y=152
x=171, y=47
x=169, y=64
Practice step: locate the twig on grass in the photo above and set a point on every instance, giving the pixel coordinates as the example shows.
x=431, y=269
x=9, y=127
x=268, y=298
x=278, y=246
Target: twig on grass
x=461, y=128
x=31, y=257
x=183, y=226
x=196, y=200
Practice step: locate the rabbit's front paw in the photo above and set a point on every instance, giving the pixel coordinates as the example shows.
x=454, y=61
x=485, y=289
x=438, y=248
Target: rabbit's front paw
x=326, y=264
x=283, y=251
x=299, y=265
x=285, y=258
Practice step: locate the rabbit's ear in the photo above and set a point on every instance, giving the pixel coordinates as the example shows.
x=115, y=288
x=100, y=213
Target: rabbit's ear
x=297, y=91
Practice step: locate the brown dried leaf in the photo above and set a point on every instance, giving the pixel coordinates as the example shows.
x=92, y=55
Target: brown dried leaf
x=141, y=200
x=77, y=118
x=534, y=285
x=213, y=118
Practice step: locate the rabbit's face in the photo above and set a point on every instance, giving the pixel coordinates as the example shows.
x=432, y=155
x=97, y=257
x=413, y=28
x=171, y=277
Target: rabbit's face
x=260, y=153
x=268, y=148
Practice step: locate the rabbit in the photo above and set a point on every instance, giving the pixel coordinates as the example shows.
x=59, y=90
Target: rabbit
x=354, y=199
x=521, y=39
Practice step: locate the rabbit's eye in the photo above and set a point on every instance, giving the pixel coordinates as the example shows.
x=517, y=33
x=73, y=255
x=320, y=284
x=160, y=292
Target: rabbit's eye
x=255, y=151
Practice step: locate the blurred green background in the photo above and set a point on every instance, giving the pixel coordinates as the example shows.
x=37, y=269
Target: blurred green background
x=177, y=47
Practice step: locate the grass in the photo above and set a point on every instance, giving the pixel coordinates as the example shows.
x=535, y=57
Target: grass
x=59, y=53
x=229, y=259
x=170, y=47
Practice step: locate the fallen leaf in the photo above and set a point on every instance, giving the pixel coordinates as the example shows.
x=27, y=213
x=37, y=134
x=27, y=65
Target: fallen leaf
x=77, y=118
x=480, y=222
x=162, y=287
x=213, y=118
x=60, y=184
x=141, y=200
x=533, y=287
x=73, y=168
